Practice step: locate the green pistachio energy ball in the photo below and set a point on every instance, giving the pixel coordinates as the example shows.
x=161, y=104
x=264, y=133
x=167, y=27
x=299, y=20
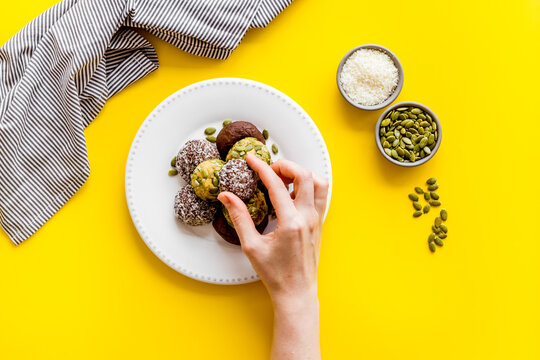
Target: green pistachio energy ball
x=249, y=145
x=205, y=179
x=257, y=207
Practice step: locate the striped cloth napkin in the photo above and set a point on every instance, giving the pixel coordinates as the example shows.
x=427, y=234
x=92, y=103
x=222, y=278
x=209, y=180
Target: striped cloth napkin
x=58, y=71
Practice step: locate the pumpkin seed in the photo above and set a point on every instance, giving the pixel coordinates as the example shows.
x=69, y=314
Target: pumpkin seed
x=227, y=122
x=444, y=228
x=443, y=235
x=431, y=245
x=431, y=237
x=173, y=162
x=209, y=131
x=400, y=151
x=215, y=181
x=173, y=172
x=438, y=241
x=394, y=153
x=416, y=111
x=386, y=144
x=419, y=190
x=274, y=149
x=434, y=203
x=417, y=214
x=433, y=187
x=211, y=138
x=431, y=181
x=407, y=141
x=438, y=221
x=435, y=229
x=413, y=197
x=402, y=109
x=385, y=122
x=265, y=133
x=417, y=205
x=394, y=115
x=434, y=195
x=444, y=214
x=427, y=197
x=427, y=208
x=205, y=173
x=427, y=150
x=388, y=151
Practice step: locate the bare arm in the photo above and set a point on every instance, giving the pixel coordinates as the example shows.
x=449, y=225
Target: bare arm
x=287, y=259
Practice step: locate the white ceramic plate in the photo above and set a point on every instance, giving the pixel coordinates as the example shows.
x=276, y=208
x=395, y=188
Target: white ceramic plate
x=199, y=252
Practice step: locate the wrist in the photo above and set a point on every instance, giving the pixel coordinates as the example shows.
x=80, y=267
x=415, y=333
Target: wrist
x=289, y=302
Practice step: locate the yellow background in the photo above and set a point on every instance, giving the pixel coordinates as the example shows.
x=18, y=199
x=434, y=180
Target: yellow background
x=86, y=286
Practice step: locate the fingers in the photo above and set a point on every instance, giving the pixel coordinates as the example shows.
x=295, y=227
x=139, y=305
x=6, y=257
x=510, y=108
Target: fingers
x=302, y=180
x=321, y=187
x=279, y=195
x=240, y=217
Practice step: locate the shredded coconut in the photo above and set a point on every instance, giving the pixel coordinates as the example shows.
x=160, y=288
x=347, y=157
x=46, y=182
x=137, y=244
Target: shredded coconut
x=369, y=77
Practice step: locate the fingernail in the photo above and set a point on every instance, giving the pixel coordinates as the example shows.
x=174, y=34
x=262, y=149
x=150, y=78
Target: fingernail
x=224, y=200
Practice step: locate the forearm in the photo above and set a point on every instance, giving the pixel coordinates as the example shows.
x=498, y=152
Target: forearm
x=296, y=328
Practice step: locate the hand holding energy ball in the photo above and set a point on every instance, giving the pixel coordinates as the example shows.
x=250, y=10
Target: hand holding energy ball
x=287, y=259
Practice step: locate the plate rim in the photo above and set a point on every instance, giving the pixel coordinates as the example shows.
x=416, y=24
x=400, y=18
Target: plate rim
x=133, y=150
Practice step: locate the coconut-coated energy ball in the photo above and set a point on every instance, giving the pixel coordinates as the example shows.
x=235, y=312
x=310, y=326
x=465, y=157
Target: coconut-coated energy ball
x=257, y=207
x=192, y=154
x=191, y=210
x=237, y=177
x=249, y=145
x=205, y=179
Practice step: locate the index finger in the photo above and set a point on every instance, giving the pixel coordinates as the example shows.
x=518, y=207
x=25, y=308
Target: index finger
x=279, y=195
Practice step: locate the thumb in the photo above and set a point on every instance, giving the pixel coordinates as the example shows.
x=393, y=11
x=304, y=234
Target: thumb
x=240, y=217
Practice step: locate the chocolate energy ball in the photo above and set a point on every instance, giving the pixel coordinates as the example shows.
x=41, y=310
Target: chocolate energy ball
x=249, y=145
x=237, y=177
x=234, y=132
x=228, y=233
x=191, y=210
x=257, y=207
x=205, y=179
x=192, y=154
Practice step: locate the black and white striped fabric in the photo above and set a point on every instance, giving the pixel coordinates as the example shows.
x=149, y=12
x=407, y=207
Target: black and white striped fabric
x=58, y=71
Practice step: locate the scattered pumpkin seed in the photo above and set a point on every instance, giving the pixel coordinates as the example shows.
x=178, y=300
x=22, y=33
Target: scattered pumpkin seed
x=434, y=203
x=438, y=221
x=444, y=228
x=444, y=214
x=417, y=214
x=209, y=131
x=413, y=197
x=431, y=245
x=438, y=241
x=443, y=235
x=434, y=196
x=173, y=162
x=417, y=205
x=419, y=190
x=427, y=197
x=433, y=187
x=431, y=181
x=173, y=172
x=265, y=134
x=274, y=149
x=431, y=237
x=227, y=122
x=426, y=208
x=435, y=229
x=211, y=138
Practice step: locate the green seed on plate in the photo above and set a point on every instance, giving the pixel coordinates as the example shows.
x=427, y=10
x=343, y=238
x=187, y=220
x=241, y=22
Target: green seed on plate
x=431, y=181
x=417, y=205
x=211, y=138
x=427, y=208
x=434, y=203
x=444, y=228
x=413, y=197
x=419, y=190
x=433, y=187
x=173, y=162
x=444, y=214
x=385, y=122
x=443, y=235
x=438, y=221
x=434, y=195
x=227, y=122
x=438, y=241
x=265, y=134
x=209, y=131
x=427, y=197
x=274, y=149
x=173, y=172
x=417, y=214
x=431, y=245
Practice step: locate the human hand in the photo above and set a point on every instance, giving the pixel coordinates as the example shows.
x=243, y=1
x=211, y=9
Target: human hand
x=287, y=258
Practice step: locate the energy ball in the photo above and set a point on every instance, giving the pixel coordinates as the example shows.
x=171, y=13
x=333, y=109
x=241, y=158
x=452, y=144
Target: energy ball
x=234, y=132
x=237, y=177
x=257, y=207
x=191, y=210
x=205, y=179
x=228, y=233
x=249, y=145
x=192, y=154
